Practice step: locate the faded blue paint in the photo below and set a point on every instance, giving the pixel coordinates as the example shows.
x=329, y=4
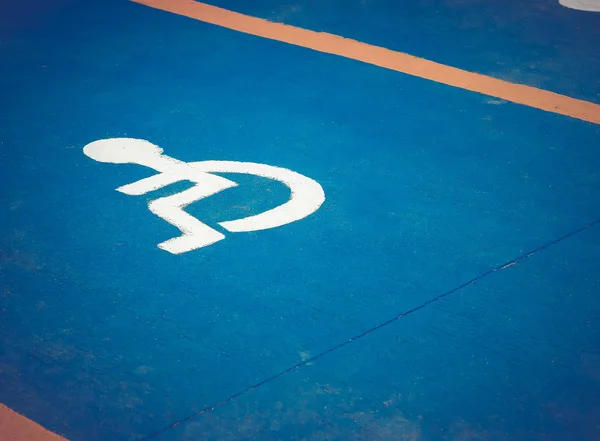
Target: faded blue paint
x=104, y=336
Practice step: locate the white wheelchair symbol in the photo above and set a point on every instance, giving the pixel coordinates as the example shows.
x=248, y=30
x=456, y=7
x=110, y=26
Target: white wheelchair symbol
x=306, y=194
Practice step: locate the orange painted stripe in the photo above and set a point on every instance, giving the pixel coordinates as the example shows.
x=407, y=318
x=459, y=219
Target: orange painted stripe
x=15, y=427
x=379, y=56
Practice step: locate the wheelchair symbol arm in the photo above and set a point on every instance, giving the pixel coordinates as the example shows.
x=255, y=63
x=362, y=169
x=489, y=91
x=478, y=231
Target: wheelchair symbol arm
x=180, y=172
x=147, y=185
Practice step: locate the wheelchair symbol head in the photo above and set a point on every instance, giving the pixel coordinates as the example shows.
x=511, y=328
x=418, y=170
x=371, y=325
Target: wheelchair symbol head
x=123, y=151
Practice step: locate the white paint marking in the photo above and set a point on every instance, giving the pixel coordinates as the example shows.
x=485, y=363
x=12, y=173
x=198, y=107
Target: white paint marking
x=306, y=198
x=582, y=5
x=306, y=194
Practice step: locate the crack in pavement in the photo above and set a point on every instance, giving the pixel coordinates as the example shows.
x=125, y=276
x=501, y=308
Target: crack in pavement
x=373, y=329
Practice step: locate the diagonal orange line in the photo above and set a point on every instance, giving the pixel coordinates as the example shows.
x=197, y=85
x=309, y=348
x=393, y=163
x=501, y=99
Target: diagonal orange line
x=16, y=427
x=379, y=56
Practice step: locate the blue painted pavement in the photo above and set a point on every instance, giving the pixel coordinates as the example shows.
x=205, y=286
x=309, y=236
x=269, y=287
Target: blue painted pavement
x=103, y=336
